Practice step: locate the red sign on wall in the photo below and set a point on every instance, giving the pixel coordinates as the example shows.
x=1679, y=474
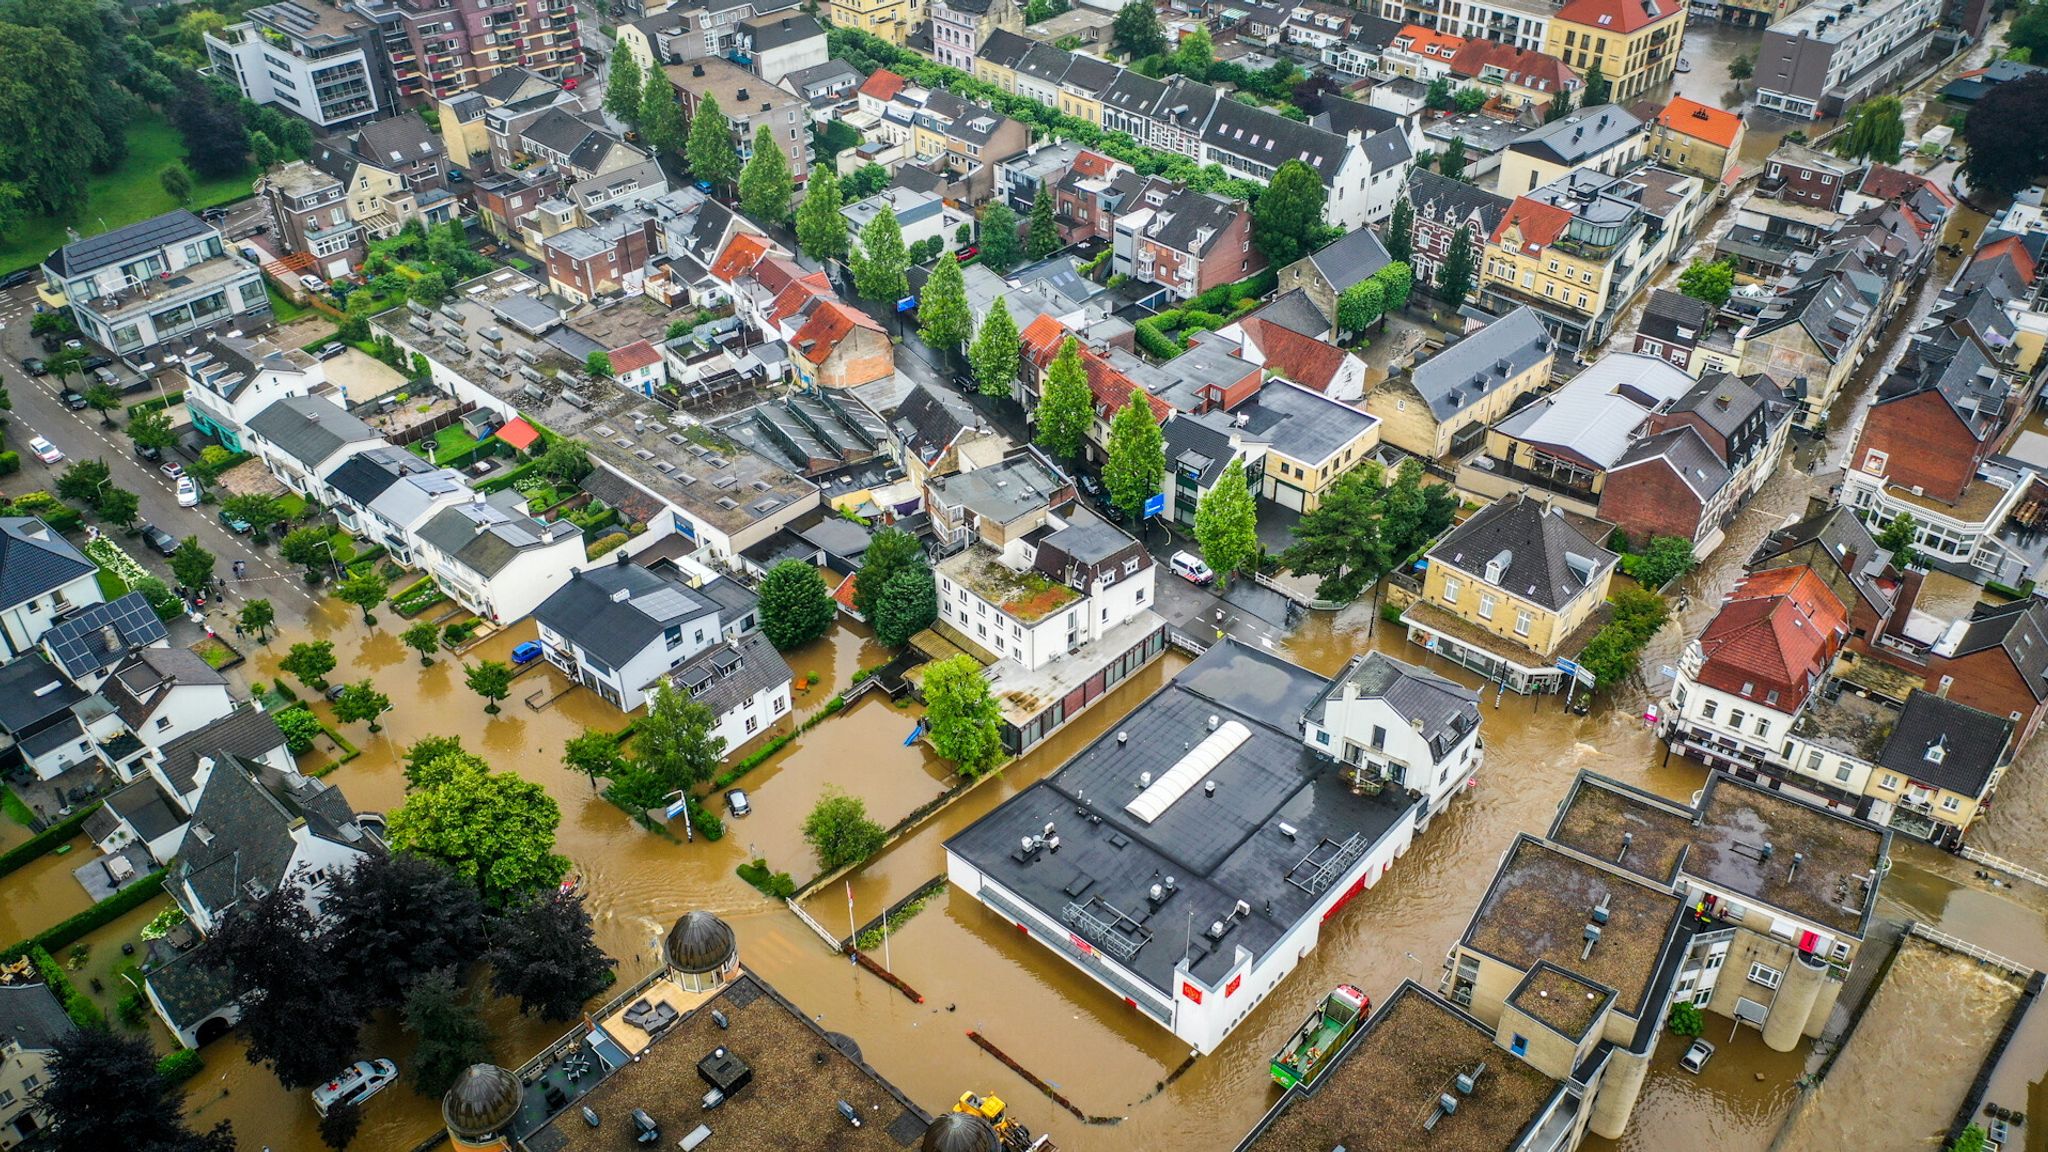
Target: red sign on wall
x=1191, y=992
x=1230, y=989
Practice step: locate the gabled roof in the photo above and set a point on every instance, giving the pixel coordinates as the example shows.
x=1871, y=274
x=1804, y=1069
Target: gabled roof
x=141, y=683
x=614, y=611
x=31, y=1016
x=1518, y=65
x=1537, y=224
x=1468, y=370
x=726, y=676
x=243, y=835
x=1305, y=360
x=929, y=420
x=1845, y=539
x=1686, y=453
x=1949, y=745
x=1581, y=135
x=1716, y=126
x=366, y=475
x=1441, y=711
x=830, y=323
x=1355, y=257
x=1452, y=203
x=1774, y=638
x=1619, y=16
x=741, y=253
x=1427, y=42
x=246, y=733
x=309, y=429
x=1541, y=556
x=396, y=143
x=2020, y=629
x=36, y=561
x=1593, y=417
x=1669, y=312
x=99, y=635
x=635, y=356
x=113, y=247
x=486, y=537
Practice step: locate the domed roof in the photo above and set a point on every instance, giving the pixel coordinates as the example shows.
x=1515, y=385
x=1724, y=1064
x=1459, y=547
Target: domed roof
x=699, y=943
x=485, y=1097
x=960, y=1132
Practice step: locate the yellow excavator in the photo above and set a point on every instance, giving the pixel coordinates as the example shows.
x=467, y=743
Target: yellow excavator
x=1015, y=1137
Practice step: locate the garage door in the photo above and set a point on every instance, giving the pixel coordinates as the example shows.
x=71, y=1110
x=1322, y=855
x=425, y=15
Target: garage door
x=1287, y=496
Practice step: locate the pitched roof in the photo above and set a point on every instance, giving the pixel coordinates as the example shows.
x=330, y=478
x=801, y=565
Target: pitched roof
x=1581, y=135
x=142, y=682
x=1355, y=257
x=1468, y=370
x=614, y=611
x=242, y=836
x=727, y=676
x=1774, y=638
x=741, y=253
x=1701, y=121
x=1296, y=312
x=1303, y=359
x=1428, y=42
x=1538, y=224
x=31, y=1016
x=31, y=691
x=309, y=429
x=1594, y=416
x=101, y=634
x=486, y=537
x=1623, y=16
x=1452, y=203
x=246, y=733
x=1949, y=745
x=635, y=356
x=1686, y=453
x=1542, y=556
x=1518, y=65
x=35, y=560
x=829, y=323
x=2020, y=629
x=1441, y=711
x=95, y=252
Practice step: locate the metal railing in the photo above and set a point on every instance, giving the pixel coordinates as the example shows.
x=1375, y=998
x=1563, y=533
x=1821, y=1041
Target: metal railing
x=2003, y=865
x=1958, y=944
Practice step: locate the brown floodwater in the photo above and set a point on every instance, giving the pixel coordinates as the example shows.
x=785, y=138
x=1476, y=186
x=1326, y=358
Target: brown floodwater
x=972, y=970
x=43, y=891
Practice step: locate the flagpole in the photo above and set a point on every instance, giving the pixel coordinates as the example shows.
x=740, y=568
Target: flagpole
x=888, y=965
x=852, y=929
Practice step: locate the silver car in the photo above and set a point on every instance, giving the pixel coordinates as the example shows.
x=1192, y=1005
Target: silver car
x=1696, y=1057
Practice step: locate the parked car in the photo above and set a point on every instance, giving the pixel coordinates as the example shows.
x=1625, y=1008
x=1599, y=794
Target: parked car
x=1189, y=567
x=34, y=366
x=149, y=452
x=173, y=469
x=188, y=492
x=159, y=539
x=45, y=451
x=73, y=399
x=330, y=350
x=17, y=279
x=526, y=653
x=334, y=692
x=1696, y=1057
x=963, y=255
x=736, y=803
x=455, y=176
x=1090, y=486
x=313, y=283
x=95, y=363
x=355, y=1084
x=252, y=254
x=233, y=523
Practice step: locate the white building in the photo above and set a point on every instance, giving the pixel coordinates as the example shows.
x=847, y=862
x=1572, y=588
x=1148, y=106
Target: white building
x=385, y=493
x=229, y=380
x=42, y=577
x=310, y=59
x=1400, y=726
x=493, y=558
x=617, y=627
x=303, y=439
x=1188, y=859
x=137, y=288
x=920, y=215
x=745, y=682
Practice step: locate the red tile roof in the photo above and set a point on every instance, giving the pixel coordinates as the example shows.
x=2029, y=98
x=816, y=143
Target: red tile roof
x=1777, y=634
x=1884, y=182
x=635, y=356
x=1700, y=121
x=1622, y=16
x=1094, y=164
x=1044, y=337
x=1525, y=67
x=883, y=85
x=1428, y=42
x=1540, y=224
x=829, y=323
x=2013, y=247
x=741, y=254
x=1309, y=363
x=518, y=433
x=795, y=297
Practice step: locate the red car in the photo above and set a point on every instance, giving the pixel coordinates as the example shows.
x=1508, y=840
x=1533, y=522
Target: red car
x=569, y=85
x=963, y=255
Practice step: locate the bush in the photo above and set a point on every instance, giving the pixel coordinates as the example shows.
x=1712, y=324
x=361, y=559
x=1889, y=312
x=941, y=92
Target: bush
x=600, y=547
x=774, y=884
x=179, y=1066
x=10, y=463
x=705, y=822
x=1686, y=1020
x=155, y=404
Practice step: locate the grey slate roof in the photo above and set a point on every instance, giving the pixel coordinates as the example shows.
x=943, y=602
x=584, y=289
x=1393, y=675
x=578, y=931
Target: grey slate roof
x=143, y=680
x=241, y=840
x=588, y=612
x=246, y=734
x=1450, y=203
x=146, y=809
x=484, y=537
x=1581, y=134
x=1470, y=369
x=31, y=1017
x=781, y=29
x=309, y=429
x=928, y=420
x=364, y=476
x=1196, y=448
x=31, y=691
x=1355, y=257
x=734, y=599
x=35, y=560
x=43, y=741
x=1187, y=212
x=1688, y=456
x=726, y=676
x=396, y=143
x=1004, y=48
x=113, y=247
x=1668, y=312
x=1295, y=421
x=1266, y=137
x=99, y=635
x=190, y=987
x=1949, y=745
x=1294, y=311
x=2021, y=629
x=1443, y=711
x=1543, y=557
x=1841, y=535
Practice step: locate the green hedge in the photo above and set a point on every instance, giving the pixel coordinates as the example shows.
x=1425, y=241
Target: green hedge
x=167, y=400
x=778, y=885
x=504, y=480
x=180, y=1066
x=93, y=919
x=46, y=840
x=10, y=463
x=77, y=1005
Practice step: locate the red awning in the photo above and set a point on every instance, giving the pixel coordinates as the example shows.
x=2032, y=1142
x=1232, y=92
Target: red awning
x=519, y=434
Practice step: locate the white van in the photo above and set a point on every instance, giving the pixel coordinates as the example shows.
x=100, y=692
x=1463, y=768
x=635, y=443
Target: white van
x=1189, y=567
x=355, y=1084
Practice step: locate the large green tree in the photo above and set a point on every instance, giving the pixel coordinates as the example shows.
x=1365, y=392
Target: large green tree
x=1877, y=131
x=447, y=1020
x=965, y=721
x=1136, y=464
x=662, y=126
x=1288, y=213
x=1195, y=55
x=820, y=229
x=361, y=701
x=796, y=607
x=892, y=550
x=399, y=917
x=1899, y=538
x=996, y=352
x=365, y=590
x=623, y=88
x=674, y=748
x=999, y=248
x=945, y=321
x=1453, y=162
x=1712, y=282
x=766, y=185
x=1597, y=87
x=278, y=962
x=713, y=158
x=595, y=754
x=1066, y=406
x=1454, y=279
x=1361, y=303
x=1227, y=523
x=840, y=831
x=1136, y=33
x=310, y=661
x=880, y=261
x=544, y=952
x=1340, y=540
x=47, y=118
x=1401, y=230
x=909, y=603
x=1044, y=237
x=495, y=829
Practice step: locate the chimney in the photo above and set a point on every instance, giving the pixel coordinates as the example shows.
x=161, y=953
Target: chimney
x=621, y=561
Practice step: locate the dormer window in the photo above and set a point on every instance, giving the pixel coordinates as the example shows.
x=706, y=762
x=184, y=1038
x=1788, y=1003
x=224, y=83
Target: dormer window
x=1937, y=751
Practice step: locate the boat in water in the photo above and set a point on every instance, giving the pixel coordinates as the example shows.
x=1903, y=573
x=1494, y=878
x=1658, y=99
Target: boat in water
x=1340, y=1014
x=354, y=1084
x=1683, y=66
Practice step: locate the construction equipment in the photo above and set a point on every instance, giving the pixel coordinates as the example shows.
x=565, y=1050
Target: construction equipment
x=1014, y=1135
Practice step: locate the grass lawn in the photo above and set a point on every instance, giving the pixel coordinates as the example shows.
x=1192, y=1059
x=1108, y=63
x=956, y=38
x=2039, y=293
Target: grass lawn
x=216, y=653
x=15, y=809
x=292, y=505
x=286, y=309
x=111, y=586
x=452, y=439
x=123, y=196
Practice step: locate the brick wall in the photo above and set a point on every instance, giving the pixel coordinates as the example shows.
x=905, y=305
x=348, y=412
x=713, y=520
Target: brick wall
x=1924, y=445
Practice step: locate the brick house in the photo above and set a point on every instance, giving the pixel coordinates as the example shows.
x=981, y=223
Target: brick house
x=1672, y=326
x=1085, y=200
x=1442, y=206
x=1698, y=460
x=1934, y=421
x=1185, y=241
x=1808, y=176
x=1996, y=661
x=585, y=263
x=1325, y=274
x=838, y=346
x=1839, y=548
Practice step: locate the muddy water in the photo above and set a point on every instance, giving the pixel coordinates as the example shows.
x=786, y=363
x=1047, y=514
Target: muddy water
x=43, y=892
x=1930, y=1024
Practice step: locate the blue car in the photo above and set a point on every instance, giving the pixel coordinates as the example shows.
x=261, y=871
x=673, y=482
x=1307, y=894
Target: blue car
x=526, y=653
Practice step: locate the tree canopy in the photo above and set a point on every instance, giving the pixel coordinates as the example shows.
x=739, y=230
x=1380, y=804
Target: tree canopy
x=1136, y=32
x=881, y=262
x=1227, y=524
x=965, y=721
x=544, y=952
x=766, y=184
x=713, y=158
x=1877, y=131
x=820, y=229
x=1288, y=213
x=796, y=607
x=1365, y=525
x=840, y=832
x=945, y=322
x=1710, y=282
x=1066, y=406
x=999, y=248
x=102, y=1092
x=1136, y=464
x=996, y=352
x=2007, y=148
x=494, y=829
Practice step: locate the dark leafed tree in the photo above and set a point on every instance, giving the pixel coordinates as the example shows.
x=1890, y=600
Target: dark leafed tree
x=102, y=1092
x=1341, y=540
x=891, y=551
x=796, y=607
x=281, y=965
x=1461, y=264
x=999, y=248
x=1066, y=406
x=1044, y=237
x=910, y=602
x=765, y=184
x=452, y=1036
x=713, y=158
x=1401, y=230
x=544, y=953
x=996, y=350
x=401, y=916
x=1136, y=33
x=1288, y=213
